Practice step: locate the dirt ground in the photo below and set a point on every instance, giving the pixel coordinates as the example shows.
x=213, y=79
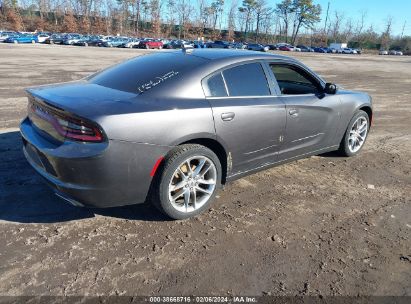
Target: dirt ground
x=321, y=226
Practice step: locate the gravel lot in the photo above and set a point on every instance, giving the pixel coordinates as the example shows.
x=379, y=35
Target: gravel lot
x=321, y=226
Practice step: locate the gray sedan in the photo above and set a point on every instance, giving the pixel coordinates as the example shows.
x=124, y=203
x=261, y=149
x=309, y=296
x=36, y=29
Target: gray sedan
x=191, y=122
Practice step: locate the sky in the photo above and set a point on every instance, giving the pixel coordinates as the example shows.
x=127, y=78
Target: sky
x=377, y=12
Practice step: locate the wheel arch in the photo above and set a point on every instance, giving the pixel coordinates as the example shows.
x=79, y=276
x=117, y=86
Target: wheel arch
x=367, y=109
x=217, y=148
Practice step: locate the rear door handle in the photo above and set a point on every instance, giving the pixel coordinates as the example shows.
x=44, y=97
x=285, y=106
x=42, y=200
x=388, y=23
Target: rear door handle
x=227, y=116
x=293, y=112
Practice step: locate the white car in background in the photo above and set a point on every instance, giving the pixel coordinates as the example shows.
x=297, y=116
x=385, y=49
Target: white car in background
x=383, y=52
x=394, y=52
x=42, y=38
x=5, y=35
x=132, y=43
x=348, y=51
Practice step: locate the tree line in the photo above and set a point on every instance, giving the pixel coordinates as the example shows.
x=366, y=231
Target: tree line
x=292, y=21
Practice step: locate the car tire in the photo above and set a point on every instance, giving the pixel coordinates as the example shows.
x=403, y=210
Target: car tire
x=347, y=147
x=168, y=175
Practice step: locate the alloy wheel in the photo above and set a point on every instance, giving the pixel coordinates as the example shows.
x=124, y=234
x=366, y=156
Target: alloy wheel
x=358, y=134
x=192, y=184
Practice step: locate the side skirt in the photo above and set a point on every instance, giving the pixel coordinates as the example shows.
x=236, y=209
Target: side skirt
x=239, y=175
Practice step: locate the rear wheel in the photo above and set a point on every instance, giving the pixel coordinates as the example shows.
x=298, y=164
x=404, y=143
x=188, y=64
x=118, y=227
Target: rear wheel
x=188, y=181
x=355, y=135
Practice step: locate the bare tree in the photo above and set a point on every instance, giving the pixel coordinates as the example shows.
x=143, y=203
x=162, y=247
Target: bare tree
x=386, y=35
x=231, y=19
x=248, y=9
x=335, y=25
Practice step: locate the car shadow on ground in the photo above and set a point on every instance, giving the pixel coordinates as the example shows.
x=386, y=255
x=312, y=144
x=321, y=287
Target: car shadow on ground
x=24, y=197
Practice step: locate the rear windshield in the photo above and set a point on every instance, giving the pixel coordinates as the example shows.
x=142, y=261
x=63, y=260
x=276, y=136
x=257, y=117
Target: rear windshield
x=143, y=73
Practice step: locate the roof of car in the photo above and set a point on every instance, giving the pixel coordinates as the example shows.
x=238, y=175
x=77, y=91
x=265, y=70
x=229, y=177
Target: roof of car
x=234, y=53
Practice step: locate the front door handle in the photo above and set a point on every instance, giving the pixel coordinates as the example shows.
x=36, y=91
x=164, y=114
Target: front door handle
x=227, y=116
x=293, y=112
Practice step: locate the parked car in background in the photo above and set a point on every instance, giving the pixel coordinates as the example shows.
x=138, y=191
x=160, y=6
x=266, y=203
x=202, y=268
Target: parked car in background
x=395, y=52
x=115, y=41
x=6, y=34
x=383, y=52
x=130, y=43
x=150, y=44
x=179, y=44
x=349, y=51
x=272, y=47
x=287, y=48
x=170, y=128
x=22, y=38
x=85, y=40
x=55, y=39
x=99, y=41
x=304, y=48
x=198, y=44
x=240, y=46
x=257, y=47
x=320, y=50
x=70, y=39
x=41, y=38
x=219, y=44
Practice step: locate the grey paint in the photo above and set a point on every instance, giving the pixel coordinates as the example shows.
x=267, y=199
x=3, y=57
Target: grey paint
x=141, y=128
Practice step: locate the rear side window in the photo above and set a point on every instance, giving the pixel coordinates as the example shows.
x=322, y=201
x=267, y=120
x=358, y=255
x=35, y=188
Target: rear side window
x=214, y=86
x=246, y=80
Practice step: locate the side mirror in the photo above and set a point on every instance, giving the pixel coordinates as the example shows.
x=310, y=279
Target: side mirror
x=330, y=88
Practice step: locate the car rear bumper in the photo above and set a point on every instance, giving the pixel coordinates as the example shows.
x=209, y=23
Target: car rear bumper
x=108, y=174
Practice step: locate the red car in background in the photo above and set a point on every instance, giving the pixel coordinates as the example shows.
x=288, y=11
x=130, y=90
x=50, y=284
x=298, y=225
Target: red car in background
x=286, y=48
x=151, y=44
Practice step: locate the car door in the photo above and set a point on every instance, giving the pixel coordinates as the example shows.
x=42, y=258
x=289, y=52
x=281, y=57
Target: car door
x=248, y=119
x=311, y=115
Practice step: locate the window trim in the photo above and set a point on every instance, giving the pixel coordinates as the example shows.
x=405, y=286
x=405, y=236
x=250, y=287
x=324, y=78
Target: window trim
x=271, y=88
x=204, y=84
x=304, y=69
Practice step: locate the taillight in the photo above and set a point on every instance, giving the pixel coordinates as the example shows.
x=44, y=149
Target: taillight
x=79, y=130
x=68, y=127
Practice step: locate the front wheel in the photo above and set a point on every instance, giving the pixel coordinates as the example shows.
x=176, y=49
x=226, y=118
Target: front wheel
x=187, y=182
x=356, y=134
